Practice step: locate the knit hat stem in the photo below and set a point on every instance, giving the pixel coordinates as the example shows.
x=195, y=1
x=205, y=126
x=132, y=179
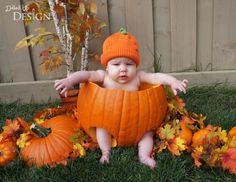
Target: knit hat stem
x=123, y=31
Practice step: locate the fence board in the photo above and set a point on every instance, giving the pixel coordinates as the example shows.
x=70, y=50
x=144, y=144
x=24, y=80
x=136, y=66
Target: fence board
x=224, y=39
x=204, y=35
x=162, y=34
x=183, y=35
x=96, y=44
x=15, y=66
x=117, y=18
x=139, y=20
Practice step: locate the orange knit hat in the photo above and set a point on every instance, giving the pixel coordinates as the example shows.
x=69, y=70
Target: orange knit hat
x=120, y=44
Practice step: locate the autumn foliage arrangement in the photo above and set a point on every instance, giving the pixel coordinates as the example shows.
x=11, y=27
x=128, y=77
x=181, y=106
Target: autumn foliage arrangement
x=75, y=23
x=54, y=137
x=186, y=131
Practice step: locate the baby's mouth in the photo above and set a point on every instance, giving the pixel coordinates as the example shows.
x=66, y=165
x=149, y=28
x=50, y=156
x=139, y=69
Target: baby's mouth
x=123, y=77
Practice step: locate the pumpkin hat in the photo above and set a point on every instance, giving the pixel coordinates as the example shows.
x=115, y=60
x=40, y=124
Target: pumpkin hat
x=120, y=44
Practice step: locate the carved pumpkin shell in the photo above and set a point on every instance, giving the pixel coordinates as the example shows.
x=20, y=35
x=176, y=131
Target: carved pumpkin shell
x=126, y=115
x=53, y=148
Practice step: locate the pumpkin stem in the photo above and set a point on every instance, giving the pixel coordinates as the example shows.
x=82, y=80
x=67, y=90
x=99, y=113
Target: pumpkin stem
x=40, y=131
x=123, y=31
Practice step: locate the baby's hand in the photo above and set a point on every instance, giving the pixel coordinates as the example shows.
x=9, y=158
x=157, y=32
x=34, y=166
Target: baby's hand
x=63, y=86
x=179, y=85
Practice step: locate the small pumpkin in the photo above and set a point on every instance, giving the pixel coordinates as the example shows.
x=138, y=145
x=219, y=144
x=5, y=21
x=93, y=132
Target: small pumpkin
x=51, y=143
x=126, y=115
x=232, y=132
x=7, y=152
x=185, y=133
x=200, y=136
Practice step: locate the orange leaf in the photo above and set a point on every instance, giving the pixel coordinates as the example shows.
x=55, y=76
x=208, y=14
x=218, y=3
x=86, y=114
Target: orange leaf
x=60, y=11
x=93, y=8
x=32, y=7
x=229, y=160
x=11, y=127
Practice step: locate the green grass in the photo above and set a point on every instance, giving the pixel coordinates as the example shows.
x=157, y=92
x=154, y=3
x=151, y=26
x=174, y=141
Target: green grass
x=217, y=103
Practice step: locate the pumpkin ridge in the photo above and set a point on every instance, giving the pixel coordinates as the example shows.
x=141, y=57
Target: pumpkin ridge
x=41, y=158
x=29, y=156
x=92, y=110
x=49, y=155
x=121, y=115
x=52, y=145
x=65, y=141
x=59, y=141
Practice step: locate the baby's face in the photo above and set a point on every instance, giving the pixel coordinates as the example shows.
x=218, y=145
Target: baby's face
x=121, y=70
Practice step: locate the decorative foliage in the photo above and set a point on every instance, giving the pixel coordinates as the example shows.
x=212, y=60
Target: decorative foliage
x=75, y=23
x=186, y=131
x=182, y=131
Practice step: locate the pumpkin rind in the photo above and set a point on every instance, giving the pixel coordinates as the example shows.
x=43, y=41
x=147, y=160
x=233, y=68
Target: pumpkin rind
x=126, y=115
x=199, y=137
x=185, y=133
x=53, y=148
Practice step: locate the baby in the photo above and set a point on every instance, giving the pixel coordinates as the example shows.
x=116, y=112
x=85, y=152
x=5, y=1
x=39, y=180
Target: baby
x=121, y=59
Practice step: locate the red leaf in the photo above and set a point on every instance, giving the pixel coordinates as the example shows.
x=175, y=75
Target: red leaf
x=229, y=160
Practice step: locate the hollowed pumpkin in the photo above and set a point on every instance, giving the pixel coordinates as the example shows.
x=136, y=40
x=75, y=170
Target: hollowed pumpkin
x=126, y=115
x=51, y=143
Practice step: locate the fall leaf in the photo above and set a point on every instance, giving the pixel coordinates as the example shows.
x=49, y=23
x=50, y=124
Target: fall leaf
x=229, y=160
x=166, y=132
x=24, y=42
x=23, y=140
x=59, y=10
x=93, y=8
x=32, y=7
x=176, y=145
x=40, y=30
x=80, y=149
x=82, y=8
x=11, y=127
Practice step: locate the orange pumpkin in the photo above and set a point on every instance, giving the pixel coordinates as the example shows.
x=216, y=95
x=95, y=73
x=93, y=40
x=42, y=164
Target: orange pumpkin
x=185, y=133
x=232, y=132
x=7, y=152
x=54, y=145
x=200, y=136
x=126, y=115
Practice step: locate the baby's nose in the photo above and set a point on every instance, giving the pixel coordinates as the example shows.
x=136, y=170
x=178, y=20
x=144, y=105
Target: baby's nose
x=123, y=67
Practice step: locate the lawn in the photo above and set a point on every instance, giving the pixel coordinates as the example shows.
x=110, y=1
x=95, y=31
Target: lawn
x=218, y=103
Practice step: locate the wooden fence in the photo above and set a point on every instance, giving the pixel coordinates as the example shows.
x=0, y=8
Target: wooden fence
x=195, y=38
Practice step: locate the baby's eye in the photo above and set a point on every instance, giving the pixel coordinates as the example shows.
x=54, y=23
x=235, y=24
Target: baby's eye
x=129, y=64
x=116, y=64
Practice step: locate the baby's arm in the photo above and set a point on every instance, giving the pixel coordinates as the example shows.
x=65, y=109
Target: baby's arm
x=164, y=79
x=78, y=77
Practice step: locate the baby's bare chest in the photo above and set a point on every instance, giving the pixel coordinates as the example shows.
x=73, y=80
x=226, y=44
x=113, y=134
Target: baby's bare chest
x=132, y=85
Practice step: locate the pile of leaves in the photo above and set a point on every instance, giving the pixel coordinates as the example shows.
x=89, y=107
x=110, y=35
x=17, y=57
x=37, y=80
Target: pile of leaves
x=182, y=131
x=186, y=131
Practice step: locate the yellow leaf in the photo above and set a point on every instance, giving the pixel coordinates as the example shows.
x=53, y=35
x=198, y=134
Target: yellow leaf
x=102, y=24
x=24, y=42
x=82, y=8
x=222, y=135
x=167, y=132
x=40, y=29
x=80, y=149
x=180, y=143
